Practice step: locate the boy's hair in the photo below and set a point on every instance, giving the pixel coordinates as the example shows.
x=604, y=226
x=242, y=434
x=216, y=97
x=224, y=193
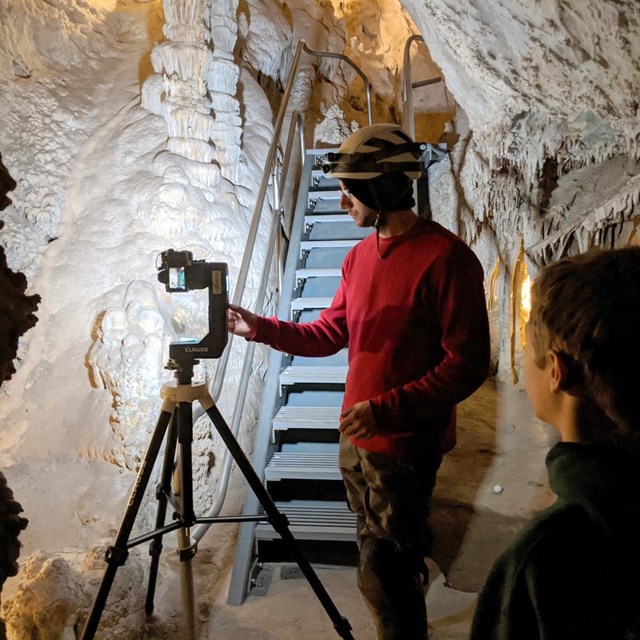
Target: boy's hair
x=587, y=310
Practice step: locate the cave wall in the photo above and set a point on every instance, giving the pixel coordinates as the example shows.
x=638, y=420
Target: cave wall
x=16, y=317
x=547, y=162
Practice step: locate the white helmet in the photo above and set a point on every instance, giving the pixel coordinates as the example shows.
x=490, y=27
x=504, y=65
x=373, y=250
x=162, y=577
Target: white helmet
x=375, y=150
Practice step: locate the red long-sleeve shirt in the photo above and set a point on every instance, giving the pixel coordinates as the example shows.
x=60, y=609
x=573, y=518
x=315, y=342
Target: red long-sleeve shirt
x=415, y=322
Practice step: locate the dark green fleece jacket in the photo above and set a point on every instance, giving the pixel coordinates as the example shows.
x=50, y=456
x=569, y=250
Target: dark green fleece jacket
x=573, y=573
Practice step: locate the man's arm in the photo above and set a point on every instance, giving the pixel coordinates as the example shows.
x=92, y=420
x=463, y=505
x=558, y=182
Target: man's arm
x=323, y=337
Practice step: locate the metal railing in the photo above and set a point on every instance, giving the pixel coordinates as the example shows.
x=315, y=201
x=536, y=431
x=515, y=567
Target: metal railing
x=353, y=65
x=273, y=248
x=408, y=122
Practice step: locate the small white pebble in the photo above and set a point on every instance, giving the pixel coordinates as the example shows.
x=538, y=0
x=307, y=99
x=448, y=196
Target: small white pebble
x=497, y=489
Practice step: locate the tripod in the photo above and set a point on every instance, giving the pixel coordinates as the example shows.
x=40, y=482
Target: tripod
x=176, y=421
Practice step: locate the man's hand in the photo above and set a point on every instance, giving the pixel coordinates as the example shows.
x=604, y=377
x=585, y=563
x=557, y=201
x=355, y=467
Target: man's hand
x=241, y=322
x=358, y=421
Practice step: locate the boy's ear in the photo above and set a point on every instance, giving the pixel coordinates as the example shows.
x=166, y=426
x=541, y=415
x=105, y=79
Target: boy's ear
x=558, y=372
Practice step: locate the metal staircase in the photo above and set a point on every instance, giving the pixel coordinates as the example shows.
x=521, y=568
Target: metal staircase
x=296, y=444
x=296, y=447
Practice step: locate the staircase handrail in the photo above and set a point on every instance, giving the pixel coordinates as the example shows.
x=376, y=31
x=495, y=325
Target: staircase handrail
x=408, y=122
x=278, y=184
x=353, y=65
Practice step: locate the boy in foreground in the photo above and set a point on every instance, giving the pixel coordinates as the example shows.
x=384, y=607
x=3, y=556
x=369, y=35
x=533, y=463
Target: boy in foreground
x=573, y=573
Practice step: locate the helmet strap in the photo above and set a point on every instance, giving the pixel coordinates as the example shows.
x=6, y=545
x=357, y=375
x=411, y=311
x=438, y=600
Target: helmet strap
x=376, y=224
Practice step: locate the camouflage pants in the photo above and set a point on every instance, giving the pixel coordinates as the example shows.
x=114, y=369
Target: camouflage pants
x=391, y=498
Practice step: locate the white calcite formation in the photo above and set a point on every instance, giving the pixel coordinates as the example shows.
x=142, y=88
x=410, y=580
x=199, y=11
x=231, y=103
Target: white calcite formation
x=52, y=601
x=127, y=359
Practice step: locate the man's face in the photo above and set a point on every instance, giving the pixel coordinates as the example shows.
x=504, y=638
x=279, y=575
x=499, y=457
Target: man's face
x=362, y=215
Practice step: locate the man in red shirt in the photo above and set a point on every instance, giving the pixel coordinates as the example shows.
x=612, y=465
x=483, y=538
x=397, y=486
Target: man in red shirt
x=411, y=309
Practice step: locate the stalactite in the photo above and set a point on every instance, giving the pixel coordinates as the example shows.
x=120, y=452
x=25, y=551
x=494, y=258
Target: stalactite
x=514, y=316
x=221, y=77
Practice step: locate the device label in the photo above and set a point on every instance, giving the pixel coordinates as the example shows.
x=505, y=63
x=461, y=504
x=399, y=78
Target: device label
x=216, y=282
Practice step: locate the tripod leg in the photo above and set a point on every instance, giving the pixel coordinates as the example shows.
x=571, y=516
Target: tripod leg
x=164, y=487
x=184, y=489
x=185, y=438
x=277, y=519
x=186, y=551
x=117, y=555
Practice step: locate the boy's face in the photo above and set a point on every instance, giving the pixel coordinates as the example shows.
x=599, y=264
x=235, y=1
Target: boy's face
x=538, y=382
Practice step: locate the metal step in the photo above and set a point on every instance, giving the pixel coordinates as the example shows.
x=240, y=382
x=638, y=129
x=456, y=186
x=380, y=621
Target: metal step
x=298, y=417
x=300, y=465
x=313, y=375
x=298, y=304
x=310, y=398
x=314, y=295
x=323, y=205
x=324, y=194
x=320, y=520
x=328, y=230
x=317, y=272
x=323, y=199
x=339, y=216
x=307, y=245
x=326, y=256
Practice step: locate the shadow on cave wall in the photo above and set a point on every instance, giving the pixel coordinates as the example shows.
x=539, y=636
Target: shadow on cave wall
x=16, y=317
x=16, y=308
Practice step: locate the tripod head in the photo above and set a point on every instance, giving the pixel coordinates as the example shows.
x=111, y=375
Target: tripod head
x=179, y=272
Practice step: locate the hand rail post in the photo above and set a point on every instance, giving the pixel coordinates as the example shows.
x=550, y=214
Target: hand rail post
x=274, y=241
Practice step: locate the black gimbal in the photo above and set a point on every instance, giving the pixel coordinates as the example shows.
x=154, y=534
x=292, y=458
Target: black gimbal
x=179, y=272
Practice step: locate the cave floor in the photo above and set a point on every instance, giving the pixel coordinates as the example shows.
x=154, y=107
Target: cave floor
x=289, y=610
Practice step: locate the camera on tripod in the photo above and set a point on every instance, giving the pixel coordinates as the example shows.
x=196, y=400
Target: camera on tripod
x=179, y=272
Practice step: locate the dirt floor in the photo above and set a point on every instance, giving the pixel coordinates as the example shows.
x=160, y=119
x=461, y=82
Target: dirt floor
x=290, y=610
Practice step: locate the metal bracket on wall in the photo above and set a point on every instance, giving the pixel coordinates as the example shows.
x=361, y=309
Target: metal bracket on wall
x=260, y=579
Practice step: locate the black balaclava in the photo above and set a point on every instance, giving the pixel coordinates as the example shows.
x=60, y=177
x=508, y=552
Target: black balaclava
x=386, y=192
